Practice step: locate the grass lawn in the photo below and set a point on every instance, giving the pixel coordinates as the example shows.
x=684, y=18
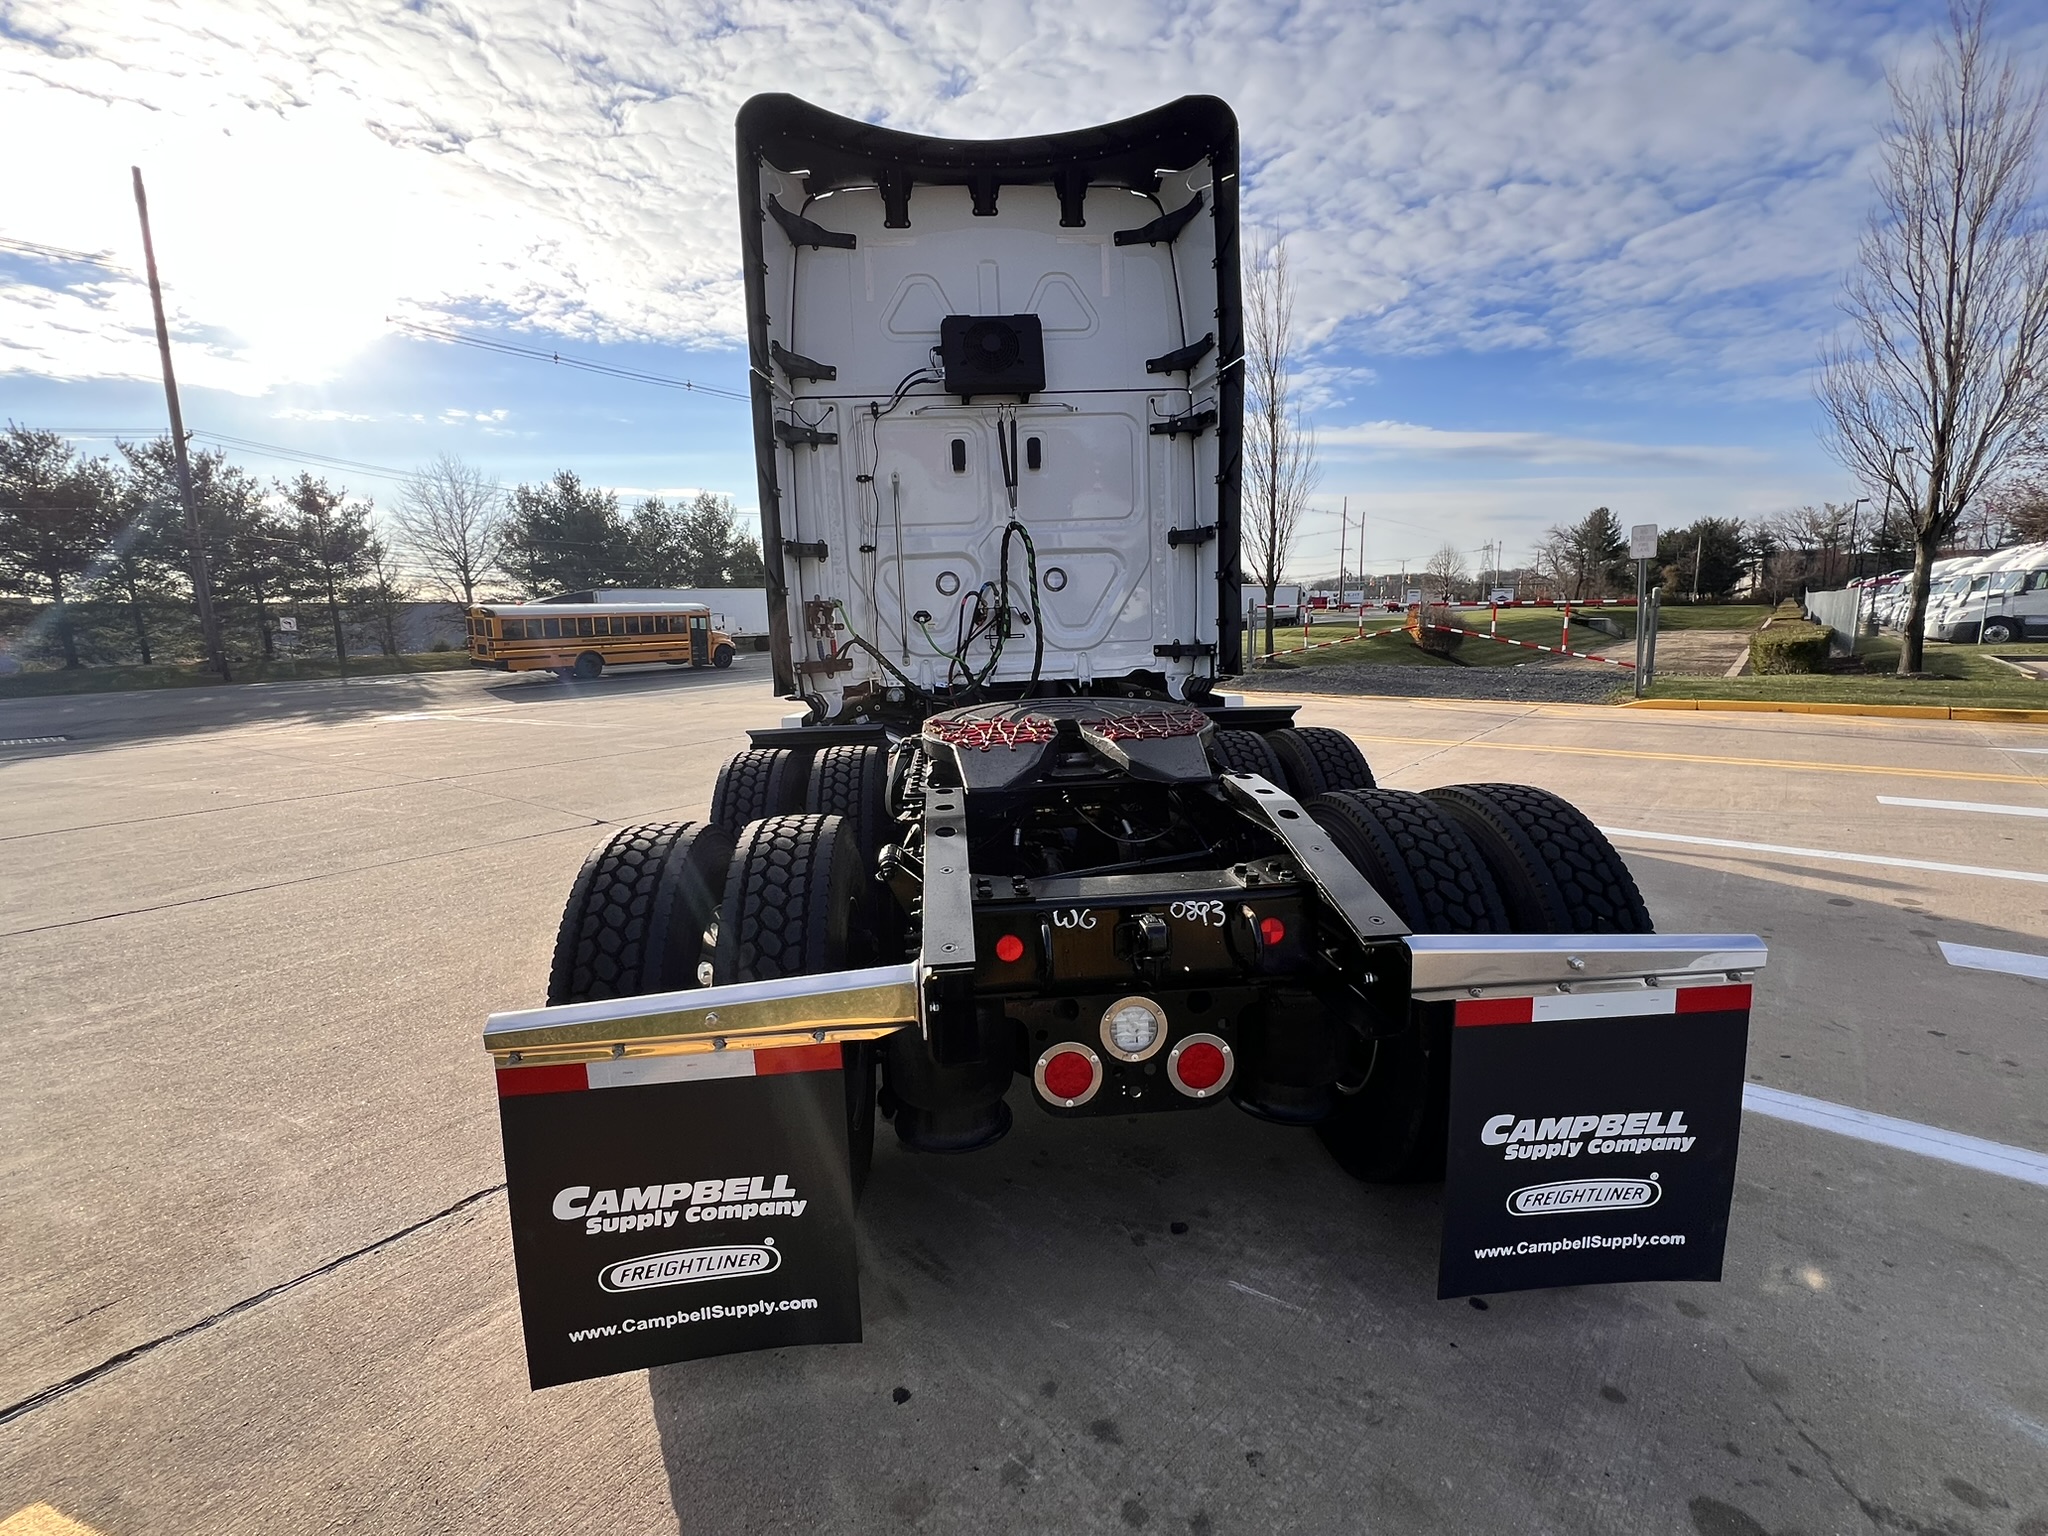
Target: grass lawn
x=1961, y=674
x=43, y=682
x=1536, y=626
x=1705, y=616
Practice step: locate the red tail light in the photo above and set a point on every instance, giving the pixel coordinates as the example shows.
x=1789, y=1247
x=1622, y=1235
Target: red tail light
x=1009, y=949
x=1201, y=1065
x=1068, y=1074
x=1271, y=931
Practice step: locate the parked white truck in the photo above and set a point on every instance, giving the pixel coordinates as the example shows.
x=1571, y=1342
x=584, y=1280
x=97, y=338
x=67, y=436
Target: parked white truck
x=1013, y=846
x=2001, y=598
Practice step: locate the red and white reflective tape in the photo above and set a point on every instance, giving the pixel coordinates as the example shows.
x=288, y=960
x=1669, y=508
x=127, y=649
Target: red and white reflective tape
x=637, y=1071
x=1528, y=645
x=1599, y=1005
x=1363, y=634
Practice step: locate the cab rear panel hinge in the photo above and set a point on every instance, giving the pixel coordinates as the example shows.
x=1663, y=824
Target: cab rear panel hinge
x=1183, y=359
x=1181, y=649
x=1195, y=423
x=1175, y=537
x=802, y=231
x=791, y=435
x=797, y=366
x=1166, y=227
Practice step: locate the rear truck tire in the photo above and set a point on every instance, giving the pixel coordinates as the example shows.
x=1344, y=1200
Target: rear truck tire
x=853, y=783
x=1247, y=752
x=1392, y=1128
x=762, y=781
x=790, y=907
x=1556, y=871
x=722, y=657
x=1320, y=761
x=637, y=914
x=588, y=665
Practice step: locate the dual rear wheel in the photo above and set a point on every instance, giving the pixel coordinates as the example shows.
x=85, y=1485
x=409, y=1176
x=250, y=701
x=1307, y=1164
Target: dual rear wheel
x=1470, y=858
x=784, y=892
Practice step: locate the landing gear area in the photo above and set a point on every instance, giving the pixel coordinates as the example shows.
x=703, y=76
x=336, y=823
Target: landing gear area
x=1098, y=906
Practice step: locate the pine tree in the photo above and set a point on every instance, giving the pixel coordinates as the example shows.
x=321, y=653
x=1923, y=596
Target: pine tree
x=57, y=516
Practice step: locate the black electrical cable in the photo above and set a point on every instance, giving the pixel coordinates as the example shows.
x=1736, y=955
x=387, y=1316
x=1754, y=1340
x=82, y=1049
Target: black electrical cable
x=1006, y=449
x=1037, y=624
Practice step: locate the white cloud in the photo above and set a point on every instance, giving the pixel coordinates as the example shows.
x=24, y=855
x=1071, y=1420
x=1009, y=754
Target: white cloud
x=301, y=413
x=1649, y=179
x=1408, y=439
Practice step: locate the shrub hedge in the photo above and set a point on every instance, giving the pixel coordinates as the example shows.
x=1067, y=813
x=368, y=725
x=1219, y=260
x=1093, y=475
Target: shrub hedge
x=1789, y=645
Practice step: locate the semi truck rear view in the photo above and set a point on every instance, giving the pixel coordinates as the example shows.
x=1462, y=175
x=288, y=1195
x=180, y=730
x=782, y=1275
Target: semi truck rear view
x=1012, y=848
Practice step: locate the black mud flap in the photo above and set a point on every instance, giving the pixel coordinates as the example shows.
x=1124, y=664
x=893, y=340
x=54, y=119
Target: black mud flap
x=1592, y=1137
x=672, y=1207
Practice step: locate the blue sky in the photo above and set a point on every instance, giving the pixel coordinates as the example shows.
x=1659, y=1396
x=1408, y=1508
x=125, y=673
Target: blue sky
x=1549, y=255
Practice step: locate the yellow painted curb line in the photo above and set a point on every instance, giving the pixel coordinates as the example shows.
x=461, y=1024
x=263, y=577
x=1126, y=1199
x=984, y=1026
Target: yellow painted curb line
x=42, y=1520
x=1876, y=711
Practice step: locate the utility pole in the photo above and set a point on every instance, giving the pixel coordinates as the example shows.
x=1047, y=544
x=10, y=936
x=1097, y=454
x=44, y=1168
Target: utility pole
x=202, y=580
x=1343, y=531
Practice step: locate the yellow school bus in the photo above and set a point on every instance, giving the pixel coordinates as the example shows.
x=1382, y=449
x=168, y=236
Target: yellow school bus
x=582, y=639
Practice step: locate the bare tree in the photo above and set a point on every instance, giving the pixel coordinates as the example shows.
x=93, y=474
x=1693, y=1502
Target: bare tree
x=2022, y=507
x=1446, y=570
x=1280, y=467
x=1945, y=376
x=381, y=594
x=452, y=518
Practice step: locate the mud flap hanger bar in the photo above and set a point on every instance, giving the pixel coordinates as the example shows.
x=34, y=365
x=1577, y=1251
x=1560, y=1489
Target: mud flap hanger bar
x=867, y=1004
x=747, y=1015
x=1475, y=965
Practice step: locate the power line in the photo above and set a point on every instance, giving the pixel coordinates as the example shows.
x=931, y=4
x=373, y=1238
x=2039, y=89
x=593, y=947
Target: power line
x=58, y=253
x=304, y=458
x=509, y=350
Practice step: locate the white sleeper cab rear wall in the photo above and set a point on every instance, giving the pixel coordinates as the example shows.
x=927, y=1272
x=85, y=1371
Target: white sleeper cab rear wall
x=941, y=349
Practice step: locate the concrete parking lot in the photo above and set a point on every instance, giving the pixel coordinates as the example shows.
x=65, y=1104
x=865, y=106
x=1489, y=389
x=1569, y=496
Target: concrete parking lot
x=259, y=1276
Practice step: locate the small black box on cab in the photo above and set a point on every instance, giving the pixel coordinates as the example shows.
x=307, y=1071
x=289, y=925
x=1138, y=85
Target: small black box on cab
x=992, y=355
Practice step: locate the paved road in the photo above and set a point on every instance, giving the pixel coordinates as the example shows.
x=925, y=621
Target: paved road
x=247, y=939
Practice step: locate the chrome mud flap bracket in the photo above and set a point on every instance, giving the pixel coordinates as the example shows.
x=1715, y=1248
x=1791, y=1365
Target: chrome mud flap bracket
x=1595, y=1103
x=676, y=1168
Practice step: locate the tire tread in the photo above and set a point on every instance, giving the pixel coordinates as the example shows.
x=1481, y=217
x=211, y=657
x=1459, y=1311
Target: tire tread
x=617, y=925
x=1320, y=761
x=762, y=781
x=1557, y=871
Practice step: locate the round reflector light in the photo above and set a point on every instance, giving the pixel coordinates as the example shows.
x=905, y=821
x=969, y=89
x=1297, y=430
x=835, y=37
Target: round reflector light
x=1201, y=1066
x=1133, y=1028
x=1068, y=1074
x=1271, y=930
x=1009, y=949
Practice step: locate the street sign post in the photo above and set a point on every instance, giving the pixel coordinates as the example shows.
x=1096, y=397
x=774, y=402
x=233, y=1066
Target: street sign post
x=1642, y=548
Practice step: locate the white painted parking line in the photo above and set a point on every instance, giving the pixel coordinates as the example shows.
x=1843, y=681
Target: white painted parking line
x=2013, y=962
x=1882, y=860
x=2021, y=1163
x=1965, y=805
x=2034, y=751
